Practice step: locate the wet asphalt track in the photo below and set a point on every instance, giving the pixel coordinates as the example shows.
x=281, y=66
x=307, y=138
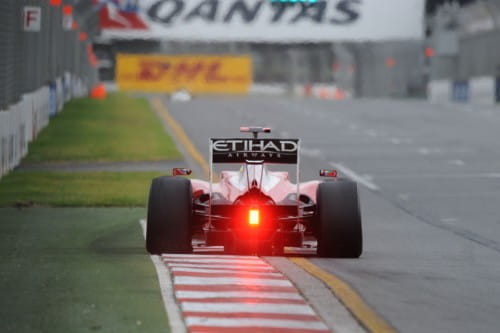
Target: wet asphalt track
x=431, y=204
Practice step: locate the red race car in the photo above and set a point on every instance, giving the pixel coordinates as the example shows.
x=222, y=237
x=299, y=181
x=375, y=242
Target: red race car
x=254, y=210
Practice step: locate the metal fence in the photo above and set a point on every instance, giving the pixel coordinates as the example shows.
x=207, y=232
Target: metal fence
x=31, y=59
x=45, y=59
x=389, y=69
x=471, y=45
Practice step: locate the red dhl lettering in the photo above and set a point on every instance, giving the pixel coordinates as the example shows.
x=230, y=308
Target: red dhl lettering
x=210, y=71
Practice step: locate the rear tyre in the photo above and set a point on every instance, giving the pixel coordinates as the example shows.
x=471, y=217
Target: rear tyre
x=338, y=227
x=169, y=216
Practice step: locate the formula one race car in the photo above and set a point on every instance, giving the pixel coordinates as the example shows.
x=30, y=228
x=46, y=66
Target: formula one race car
x=254, y=210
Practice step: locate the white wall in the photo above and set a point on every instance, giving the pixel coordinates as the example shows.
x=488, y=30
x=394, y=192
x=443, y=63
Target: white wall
x=482, y=90
x=439, y=91
x=21, y=122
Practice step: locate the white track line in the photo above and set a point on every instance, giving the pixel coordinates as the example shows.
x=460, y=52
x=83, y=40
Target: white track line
x=355, y=177
x=244, y=281
x=167, y=293
x=255, y=322
x=247, y=308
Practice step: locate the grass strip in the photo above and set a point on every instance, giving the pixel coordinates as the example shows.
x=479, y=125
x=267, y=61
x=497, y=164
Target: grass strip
x=77, y=270
x=119, y=128
x=47, y=188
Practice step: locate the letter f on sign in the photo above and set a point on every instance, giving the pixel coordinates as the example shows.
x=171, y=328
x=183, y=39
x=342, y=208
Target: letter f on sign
x=32, y=18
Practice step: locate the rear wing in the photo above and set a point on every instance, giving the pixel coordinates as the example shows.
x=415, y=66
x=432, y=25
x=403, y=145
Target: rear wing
x=243, y=150
x=253, y=151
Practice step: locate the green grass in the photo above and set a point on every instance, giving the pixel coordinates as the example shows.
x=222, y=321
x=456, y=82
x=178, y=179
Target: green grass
x=129, y=189
x=120, y=128
x=77, y=270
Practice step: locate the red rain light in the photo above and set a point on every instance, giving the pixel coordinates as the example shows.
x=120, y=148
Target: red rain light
x=390, y=62
x=67, y=10
x=83, y=36
x=429, y=52
x=55, y=3
x=253, y=217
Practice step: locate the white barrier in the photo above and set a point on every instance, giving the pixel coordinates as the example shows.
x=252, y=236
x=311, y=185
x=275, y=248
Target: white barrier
x=277, y=89
x=482, y=90
x=21, y=122
x=439, y=91
x=323, y=91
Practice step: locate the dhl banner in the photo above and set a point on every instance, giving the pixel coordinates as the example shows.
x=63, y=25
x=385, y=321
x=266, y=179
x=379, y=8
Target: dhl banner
x=199, y=74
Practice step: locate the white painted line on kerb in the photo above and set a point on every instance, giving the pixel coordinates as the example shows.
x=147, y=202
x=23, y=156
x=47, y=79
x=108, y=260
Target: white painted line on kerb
x=167, y=291
x=247, y=308
x=355, y=177
x=241, y=281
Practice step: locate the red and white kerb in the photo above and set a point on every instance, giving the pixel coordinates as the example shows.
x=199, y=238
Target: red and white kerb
x=219, y=293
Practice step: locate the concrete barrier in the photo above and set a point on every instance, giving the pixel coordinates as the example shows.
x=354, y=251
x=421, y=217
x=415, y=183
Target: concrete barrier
x=22, y=122
x=482, y=90
x=439, y=91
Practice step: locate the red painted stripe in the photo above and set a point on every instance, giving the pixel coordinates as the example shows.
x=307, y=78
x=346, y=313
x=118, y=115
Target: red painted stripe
x=204, y=263
x=243, y=300
x=279, y=316
x=209, y=256
x=251, y=329
x=229, y=275
x=234, y=287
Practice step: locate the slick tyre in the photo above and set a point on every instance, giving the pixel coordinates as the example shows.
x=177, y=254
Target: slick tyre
x=338, y=228
x=169, y=216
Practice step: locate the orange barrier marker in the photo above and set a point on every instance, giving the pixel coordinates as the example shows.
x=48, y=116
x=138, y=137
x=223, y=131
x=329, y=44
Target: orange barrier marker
x=323, y=93
x=339, y=94
x=98, y=92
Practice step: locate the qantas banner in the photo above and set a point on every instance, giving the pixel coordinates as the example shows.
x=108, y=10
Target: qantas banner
x=199, y=74
x=262, y=20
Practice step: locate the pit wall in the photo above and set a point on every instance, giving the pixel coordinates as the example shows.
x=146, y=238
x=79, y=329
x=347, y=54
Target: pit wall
x=22, y=122
x=484, y=90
